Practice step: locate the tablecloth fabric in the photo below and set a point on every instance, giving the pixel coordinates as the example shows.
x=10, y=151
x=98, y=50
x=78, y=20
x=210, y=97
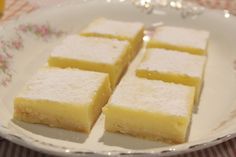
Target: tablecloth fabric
x=226, y=149
x=15, y=8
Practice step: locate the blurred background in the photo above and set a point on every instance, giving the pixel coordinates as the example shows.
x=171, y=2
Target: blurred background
x=13, y=8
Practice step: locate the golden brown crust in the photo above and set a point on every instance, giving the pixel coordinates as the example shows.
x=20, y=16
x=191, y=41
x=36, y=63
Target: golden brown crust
x=38, y=118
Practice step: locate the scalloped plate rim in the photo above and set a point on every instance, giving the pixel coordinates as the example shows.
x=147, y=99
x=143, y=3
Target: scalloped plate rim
x=200, y=144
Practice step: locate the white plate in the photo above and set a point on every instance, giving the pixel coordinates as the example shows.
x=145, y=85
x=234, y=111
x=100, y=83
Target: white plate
x=28, y=40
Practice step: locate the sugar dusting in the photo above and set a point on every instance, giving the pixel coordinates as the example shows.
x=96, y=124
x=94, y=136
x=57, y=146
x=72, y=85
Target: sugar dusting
x=167, y=61
x=63, y=86
x=112, y=27
x=152, y=96
x=91, y=49
x=182, y=37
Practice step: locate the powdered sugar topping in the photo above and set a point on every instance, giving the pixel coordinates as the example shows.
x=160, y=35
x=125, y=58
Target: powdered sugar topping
x=90, y=49
x=173, y=62
x=152, y=96
x=115, y=28
x=182, y=37
x=64, y=86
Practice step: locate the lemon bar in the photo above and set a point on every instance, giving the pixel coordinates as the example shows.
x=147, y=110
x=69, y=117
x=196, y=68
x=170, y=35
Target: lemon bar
x=107, y=28
x=181, y=39
x=66, y=98
x=150, y=109
x=92, y=53
x=173, y=66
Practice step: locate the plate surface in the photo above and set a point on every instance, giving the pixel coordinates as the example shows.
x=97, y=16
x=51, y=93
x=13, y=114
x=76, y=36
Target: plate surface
x=25, y=44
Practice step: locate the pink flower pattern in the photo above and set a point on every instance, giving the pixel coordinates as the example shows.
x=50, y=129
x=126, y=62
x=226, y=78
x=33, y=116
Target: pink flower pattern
x=6, y=54
x=7, y=47
x=42, y=31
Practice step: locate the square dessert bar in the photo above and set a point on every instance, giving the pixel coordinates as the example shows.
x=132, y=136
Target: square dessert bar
x=66, y=98
x=92, y=53
x=181, y=39
x=173, y=66
x=150, y=109
x=131, y=31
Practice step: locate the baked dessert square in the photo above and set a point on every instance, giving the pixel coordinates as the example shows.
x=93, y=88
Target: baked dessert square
x=92, y=53
x=173, y=66
x=150, y=109
x=107, y=28
x=181, y=39
x=66, y=98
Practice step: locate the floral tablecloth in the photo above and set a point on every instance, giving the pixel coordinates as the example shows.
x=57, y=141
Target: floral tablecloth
x=15, y=8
